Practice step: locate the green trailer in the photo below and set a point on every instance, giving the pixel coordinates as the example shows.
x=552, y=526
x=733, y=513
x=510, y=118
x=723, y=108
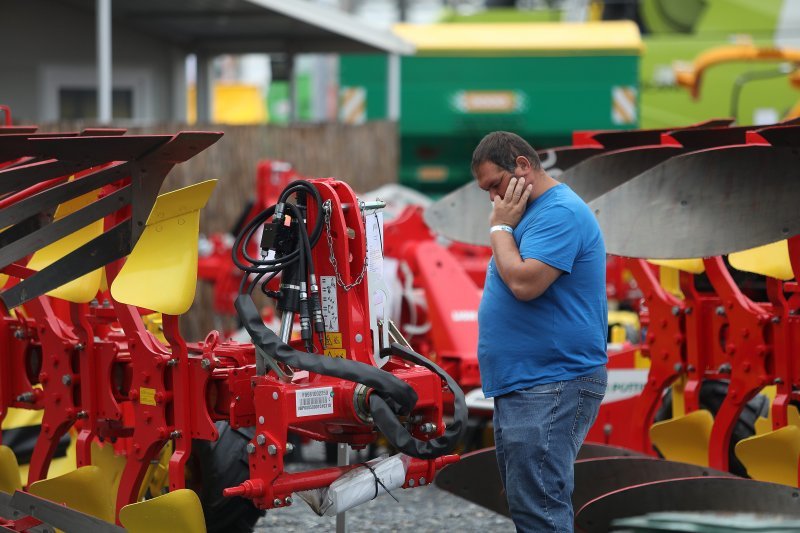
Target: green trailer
x=541, y=80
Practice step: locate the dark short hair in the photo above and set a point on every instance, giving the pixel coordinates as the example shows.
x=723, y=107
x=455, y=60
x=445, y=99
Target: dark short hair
x=502, y=148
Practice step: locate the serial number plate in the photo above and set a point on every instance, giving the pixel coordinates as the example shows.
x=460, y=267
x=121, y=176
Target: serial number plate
x=310, y=402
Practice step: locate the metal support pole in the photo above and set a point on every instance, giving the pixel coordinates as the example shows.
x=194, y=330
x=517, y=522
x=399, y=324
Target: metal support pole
x=179, y=87
x=342, y=459
x=393, y=85
x=104, y=61
x=204, y=89
x=293, y=112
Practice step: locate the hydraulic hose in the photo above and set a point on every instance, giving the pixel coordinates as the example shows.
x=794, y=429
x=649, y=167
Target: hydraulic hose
x=391, y=396
x=398, y=435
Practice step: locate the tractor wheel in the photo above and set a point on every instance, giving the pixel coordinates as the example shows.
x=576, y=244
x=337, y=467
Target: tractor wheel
x=712, y=393
x=215, y=466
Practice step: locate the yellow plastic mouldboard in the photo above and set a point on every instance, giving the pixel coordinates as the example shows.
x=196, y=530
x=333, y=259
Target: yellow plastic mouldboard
x=161, y=272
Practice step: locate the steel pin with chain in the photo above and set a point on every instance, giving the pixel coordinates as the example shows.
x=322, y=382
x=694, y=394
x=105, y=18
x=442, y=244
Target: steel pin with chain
x=326, y=207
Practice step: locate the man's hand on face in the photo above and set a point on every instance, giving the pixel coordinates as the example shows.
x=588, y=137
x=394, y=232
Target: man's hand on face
x=509, y=209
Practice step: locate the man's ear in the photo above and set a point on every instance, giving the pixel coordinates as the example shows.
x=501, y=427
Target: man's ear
x=523, y=165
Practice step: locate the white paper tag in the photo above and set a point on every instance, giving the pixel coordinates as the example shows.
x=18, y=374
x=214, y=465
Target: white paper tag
x=310, y=402
x=373, y=223
x=379, y=300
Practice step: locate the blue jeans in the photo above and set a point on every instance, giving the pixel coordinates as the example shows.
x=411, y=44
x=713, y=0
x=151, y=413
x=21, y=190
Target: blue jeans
x=538, y=432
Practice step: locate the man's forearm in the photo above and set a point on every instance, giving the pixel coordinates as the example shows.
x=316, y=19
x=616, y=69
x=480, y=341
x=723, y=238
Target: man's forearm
x=506, y=257
x=526, y=278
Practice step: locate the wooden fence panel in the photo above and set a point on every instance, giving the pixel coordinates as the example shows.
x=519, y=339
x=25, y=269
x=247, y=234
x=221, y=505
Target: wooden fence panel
x=365, y=156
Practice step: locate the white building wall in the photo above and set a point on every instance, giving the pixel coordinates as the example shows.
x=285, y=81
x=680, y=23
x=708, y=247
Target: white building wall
x=46, y=43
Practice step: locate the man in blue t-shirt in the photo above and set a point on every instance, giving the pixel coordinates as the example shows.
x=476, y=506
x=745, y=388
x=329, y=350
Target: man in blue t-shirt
x=542, y=328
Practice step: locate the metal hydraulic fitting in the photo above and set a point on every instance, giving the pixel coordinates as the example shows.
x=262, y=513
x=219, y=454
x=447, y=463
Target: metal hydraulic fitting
x=360, y=405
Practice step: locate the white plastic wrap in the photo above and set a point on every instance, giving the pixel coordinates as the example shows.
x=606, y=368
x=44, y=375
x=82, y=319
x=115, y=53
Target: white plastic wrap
x=358, y=486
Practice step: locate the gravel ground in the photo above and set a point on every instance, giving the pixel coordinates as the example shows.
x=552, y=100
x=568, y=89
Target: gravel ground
x=419, y=510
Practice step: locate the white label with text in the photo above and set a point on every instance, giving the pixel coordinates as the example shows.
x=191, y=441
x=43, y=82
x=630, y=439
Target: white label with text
x=310, y=402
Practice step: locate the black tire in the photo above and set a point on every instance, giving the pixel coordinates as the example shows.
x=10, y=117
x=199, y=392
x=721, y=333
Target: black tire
x=712, y=393
x=215, y=466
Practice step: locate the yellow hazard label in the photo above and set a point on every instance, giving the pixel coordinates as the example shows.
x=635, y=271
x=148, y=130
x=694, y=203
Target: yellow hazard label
x=333, y=340
x=336, y=352
x=623, y=104
x=147, y=396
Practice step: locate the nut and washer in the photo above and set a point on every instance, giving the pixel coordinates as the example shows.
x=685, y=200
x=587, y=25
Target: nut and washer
x=261, y=419
x=251, y=448
x=26, y=397
x=66, y=379
x=272, y=449
x=288, y=500
x=276, y=502
x=261, y=439
x=428, y=428
x=422, y=481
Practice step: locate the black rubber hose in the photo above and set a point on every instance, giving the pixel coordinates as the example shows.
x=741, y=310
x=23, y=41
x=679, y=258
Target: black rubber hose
x=240, y=244
x=398, y=394
x=391, y=396
x=399, y=436
x=296, y=185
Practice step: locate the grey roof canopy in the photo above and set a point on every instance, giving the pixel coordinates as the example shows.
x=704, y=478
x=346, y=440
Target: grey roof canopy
x=252, y=26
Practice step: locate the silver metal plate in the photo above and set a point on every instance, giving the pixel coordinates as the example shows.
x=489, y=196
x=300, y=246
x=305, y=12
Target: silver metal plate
x=463, y=215
x=597, y=175
x=64, y=518
x=704, y=203
x=476, y=477
x=706, y=494
x=598, y=476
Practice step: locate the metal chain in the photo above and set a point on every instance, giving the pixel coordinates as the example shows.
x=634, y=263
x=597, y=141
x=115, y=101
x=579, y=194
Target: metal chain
x=326, y=207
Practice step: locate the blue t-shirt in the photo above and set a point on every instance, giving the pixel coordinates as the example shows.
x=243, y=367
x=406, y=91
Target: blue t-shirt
x=560, y=335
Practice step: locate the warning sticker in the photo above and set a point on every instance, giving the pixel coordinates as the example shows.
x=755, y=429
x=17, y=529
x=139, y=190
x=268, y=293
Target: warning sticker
x=310, y=402
x=330, y=303
x=333, y=339
x=336, y=352
x=147, y=396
